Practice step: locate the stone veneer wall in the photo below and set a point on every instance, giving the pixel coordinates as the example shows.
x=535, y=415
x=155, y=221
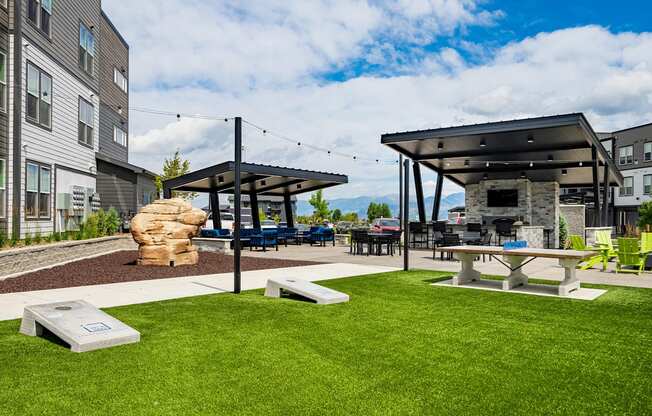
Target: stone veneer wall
x=575, y=218
x=22, y=260
x=538, y=203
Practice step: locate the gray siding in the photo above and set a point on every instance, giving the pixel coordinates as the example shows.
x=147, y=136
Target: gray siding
x=113, y=54
x=63, y=45
x=636, y=137
x=4, y=116
x=117, y=187
x=108, y=120
x=146, y=186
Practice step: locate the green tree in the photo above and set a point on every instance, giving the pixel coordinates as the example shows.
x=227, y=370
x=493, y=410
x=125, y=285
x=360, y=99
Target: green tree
x=350, y=216
x=378, y=211
x=645, y=216
x=176, y=166
x=563, y=232
x=336, y=215
x=261, y=214
x=320, y=206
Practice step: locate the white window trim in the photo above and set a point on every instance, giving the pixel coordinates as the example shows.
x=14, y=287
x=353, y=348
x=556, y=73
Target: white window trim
x=83, y=65
x=628, y=154
x=646, y=153
x=38, y=17
x=92, y=125
x=39, y=168
x=120, y=80
x=3, y=81
x=117, y=129
x=39, y=97
x=627, y=190
x=649, y=185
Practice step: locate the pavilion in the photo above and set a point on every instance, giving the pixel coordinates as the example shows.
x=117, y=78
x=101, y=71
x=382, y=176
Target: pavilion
x=534, y=157
x=255, y=179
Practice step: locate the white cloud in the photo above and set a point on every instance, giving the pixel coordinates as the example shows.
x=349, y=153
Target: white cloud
x=278, y=47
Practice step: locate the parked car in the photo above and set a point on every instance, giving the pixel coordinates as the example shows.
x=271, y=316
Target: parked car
x=228, y=220
x=268, y=225
x=344, y=227
x=385, y=225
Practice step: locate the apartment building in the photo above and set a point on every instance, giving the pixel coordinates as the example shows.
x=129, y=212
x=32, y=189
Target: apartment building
x=53, y=87
x=633, y=155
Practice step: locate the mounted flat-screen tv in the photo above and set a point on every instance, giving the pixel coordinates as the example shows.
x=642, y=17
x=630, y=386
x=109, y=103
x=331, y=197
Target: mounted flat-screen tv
x=502, y=198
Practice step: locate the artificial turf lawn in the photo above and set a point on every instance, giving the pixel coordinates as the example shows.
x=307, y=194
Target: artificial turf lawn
x=399, y=346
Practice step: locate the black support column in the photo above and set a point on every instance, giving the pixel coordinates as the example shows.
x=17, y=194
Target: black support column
x=605, y=195
x=215, y=210
x=400, y=190
x=289, y=215
x=253, y=203
x=438, y=191
x=418, y=187
x=237, y=278
x=406, y=215
x=596, y=188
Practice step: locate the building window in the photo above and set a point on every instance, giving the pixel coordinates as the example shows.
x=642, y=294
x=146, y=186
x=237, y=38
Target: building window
x=86, y=49
x=37, y=191
x=626, y=155
x=39, y=96
x=647, y=184
x=647, y=151
x=3, y=187
x=39, y=12
x=120, y=80
x=119, y=136
x=3, y=81
x=86, y=116
x=628, y=186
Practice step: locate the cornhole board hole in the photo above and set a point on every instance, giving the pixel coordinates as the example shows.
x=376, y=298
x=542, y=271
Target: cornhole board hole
x=78, y=324
x=320, y=294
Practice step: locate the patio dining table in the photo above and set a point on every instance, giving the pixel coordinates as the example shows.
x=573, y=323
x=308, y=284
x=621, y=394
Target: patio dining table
x=377, y=239
x=514, y=260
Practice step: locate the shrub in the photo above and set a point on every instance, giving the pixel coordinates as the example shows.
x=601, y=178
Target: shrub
x=13, y=242
x=112, y=221
x=563, y=232
x=645, y=215
x=100, y=217
x=3, y=239
x=37, y=237
x=27, y=240
x=56, y=236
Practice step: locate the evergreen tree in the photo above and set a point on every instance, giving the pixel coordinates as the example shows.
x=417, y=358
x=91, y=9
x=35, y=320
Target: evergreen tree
x=172, y=168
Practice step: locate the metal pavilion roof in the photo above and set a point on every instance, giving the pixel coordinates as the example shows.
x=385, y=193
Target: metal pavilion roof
x=555, y=148
x=255, y=178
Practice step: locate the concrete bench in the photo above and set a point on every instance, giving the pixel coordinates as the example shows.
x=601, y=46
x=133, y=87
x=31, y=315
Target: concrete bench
x=79, y=324
x=320, y=294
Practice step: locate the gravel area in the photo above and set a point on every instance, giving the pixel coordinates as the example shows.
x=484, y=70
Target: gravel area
x=121, y=267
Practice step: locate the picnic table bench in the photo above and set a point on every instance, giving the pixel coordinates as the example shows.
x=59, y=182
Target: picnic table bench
x=514, y=260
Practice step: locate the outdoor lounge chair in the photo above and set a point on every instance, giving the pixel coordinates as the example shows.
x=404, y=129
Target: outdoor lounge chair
x=630, y=255
x=211, y=233
x=267, y=238
x=321, y=235
x=577, y=243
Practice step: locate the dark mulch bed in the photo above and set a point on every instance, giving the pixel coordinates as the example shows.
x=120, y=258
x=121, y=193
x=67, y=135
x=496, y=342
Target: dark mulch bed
x=121, y=267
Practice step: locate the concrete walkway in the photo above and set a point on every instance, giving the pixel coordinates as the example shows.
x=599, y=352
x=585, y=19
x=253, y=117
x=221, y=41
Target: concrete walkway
x=129, y=293
x=422, y=259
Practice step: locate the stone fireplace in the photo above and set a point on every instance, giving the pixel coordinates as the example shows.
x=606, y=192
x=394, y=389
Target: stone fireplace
x=537, y=208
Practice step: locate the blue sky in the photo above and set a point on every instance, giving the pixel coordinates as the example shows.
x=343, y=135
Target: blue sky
x=339, y=73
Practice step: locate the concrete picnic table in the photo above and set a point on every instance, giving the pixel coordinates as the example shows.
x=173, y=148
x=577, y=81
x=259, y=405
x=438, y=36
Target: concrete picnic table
x=514, y=260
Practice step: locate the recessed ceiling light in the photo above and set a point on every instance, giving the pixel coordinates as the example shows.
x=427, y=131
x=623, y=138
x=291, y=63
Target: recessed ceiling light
x=522, y=174
x=550, y=158
x=440, y=145
x=485, y=176
x=483, y=143
x=564, y=172
x=530, y=139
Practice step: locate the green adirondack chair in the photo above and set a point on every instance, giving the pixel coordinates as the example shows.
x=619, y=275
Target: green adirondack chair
x=646, y=242
x=577, y=243
x=630, y=255
x=603, y=239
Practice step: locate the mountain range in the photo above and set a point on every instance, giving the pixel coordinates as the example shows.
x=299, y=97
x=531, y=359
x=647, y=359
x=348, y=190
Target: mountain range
x=359, y=204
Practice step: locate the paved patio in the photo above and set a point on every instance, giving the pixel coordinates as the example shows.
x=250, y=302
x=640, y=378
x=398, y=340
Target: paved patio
x=422, y=259
x=129, y=293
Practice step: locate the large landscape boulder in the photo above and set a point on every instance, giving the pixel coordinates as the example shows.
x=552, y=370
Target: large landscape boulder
x=163, y=231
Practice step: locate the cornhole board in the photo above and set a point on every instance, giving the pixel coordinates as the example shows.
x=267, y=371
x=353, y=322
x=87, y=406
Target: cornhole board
x=320, y=294
x=79, y=324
